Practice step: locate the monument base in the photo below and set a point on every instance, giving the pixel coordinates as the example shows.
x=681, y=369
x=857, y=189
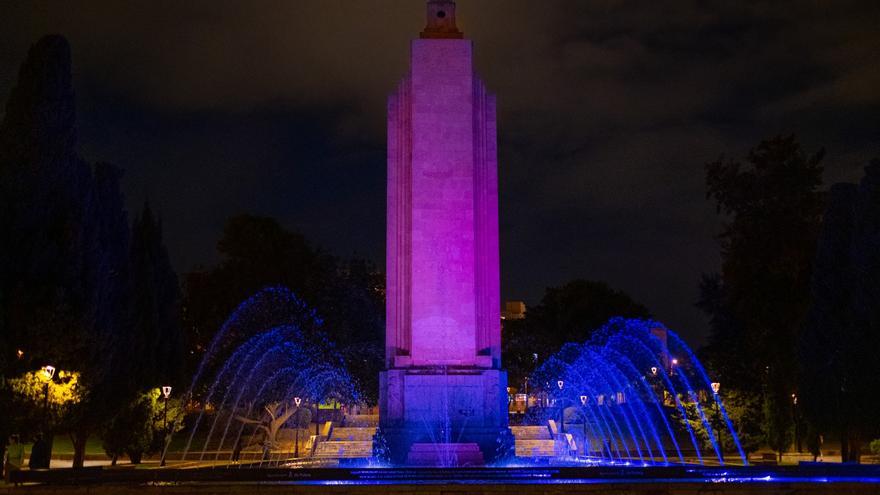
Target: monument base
x=443, y=406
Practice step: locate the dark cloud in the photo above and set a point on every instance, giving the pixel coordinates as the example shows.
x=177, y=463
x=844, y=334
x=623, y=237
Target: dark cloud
x=608, y=111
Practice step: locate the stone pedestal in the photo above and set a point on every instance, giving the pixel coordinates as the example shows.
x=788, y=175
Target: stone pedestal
x=443, y=405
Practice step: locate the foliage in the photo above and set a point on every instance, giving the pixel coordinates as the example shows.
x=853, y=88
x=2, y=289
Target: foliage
x=778, y=425
x=64, y=389
x=257, y=252
x=155, y=341
x=65, y=281
x=757, y=305
x=875, y=446
x=568, y=313
x=693, y=420
x=838, y=384
x=129, y=431
x=744, y=411
x=140, y=427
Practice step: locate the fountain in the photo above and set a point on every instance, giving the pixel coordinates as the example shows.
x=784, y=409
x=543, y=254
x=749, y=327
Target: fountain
x=635, y=388
x=629, y=395
x=632, y=405
x=268, y=365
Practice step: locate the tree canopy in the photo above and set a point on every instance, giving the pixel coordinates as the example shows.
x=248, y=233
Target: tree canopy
x=568, y=313
x=772, y=207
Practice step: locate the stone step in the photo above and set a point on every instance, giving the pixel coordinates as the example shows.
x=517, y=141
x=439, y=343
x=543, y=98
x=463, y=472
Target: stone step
x=445, y=455
x=531, y=432
x=536, y=448
x=353, y=433
x=344, y=449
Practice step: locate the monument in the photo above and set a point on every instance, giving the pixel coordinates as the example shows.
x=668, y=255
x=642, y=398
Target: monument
x=443, y=384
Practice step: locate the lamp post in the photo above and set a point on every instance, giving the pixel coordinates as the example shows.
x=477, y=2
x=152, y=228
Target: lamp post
x=297, y=401
x=797, y=437
x=716, y=387
x=48, y=372
x=584, y=419
x=166, y=393
x=560, y=384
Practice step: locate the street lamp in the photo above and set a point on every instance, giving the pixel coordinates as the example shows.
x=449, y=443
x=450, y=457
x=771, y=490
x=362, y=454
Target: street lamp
x=794, y=413
x=560, y=384
x=716, y=387
x=654, y=370
x=166, y=393
x=297, y=401
x=584, y=419
x=48, y=372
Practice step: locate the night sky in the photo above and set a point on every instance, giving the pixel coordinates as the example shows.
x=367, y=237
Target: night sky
x=608, y=111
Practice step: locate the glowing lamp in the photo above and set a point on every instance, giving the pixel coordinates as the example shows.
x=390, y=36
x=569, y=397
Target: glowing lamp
x=654, y=370
x=560, y=384
x=297, y=401
x=19, y=353
x=48, y=372
x=716, y=387
x=675, y=362
x=166, y=391
x=583, y=400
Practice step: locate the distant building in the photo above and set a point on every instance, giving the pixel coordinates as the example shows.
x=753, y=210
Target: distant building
x=661, y=334
x=514, y=310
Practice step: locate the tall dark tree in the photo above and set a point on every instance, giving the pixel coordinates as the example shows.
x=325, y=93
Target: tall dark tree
x=773, y=207
x=63, y=279
x=155, y=335
x=839, y=387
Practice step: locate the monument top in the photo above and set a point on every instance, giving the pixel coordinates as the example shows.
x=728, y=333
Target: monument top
x=441, y=21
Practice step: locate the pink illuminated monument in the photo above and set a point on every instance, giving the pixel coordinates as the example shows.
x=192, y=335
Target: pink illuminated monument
x=443, y=388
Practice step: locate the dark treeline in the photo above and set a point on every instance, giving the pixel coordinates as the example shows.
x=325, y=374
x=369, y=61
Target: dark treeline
x=80, y=289
x=95, y=296
x=793, y=312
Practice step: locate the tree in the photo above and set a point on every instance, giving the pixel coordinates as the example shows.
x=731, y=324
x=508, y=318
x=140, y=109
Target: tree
x=257, y=252
x=772, y=206
x=141, y=426
x=839, y=387
x=277, y=414
x=568, y=313
x=64, y=279
x=155, y=340
x=352, y=304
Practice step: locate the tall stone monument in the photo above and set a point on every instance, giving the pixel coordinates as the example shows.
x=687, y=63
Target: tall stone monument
x=443, y=383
